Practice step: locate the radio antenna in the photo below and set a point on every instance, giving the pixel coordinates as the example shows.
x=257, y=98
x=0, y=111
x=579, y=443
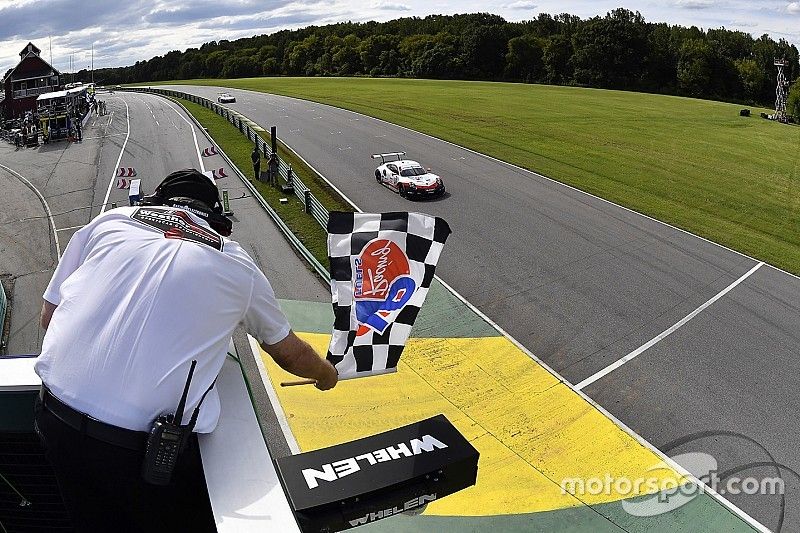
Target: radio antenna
x=182, y=403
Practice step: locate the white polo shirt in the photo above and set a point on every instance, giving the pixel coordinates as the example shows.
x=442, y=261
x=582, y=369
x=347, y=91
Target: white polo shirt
x=137, y=302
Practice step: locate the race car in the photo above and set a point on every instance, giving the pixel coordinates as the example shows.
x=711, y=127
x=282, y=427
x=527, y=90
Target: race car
x=226, y=98
x=406, y=177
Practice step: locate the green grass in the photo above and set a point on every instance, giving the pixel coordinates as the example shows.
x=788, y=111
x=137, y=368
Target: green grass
x=238, y=148
x=693, y=163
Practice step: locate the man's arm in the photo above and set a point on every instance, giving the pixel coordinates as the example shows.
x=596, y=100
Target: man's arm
x=295, y=355
x=47, y=313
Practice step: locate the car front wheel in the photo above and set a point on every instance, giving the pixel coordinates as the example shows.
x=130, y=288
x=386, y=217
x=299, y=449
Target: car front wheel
x=402, y=191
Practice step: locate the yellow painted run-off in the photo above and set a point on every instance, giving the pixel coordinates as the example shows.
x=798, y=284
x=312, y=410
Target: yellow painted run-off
x=532, y=431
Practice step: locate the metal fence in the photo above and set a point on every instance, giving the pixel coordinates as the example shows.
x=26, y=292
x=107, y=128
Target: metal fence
x=285, y=172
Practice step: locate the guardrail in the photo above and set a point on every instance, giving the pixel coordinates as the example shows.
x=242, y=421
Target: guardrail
x=310, y=203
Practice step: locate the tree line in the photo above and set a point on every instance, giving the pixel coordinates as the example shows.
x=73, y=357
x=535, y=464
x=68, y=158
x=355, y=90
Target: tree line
x=618, y=51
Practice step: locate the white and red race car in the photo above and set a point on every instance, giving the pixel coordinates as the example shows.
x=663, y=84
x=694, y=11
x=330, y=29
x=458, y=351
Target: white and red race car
x=406, y=177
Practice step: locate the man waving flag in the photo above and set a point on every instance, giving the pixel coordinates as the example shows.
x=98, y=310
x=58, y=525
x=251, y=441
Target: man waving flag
x=382, y=266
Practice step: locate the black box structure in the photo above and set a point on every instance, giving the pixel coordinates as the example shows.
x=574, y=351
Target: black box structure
x=366, y=480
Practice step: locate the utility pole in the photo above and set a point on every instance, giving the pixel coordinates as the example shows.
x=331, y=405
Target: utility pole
x=92, y=62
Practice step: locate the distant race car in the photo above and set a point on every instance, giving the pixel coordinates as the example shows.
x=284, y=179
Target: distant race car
x=226, y=98
x=407, y=178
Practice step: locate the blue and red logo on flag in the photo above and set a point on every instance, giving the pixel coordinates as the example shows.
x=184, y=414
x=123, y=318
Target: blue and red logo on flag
x=382, y=284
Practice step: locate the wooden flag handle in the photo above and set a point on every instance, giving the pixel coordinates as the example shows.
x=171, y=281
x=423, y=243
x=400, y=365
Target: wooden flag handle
x=301, y=382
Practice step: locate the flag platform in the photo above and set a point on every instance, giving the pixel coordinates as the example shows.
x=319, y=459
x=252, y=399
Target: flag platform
x=539, y=440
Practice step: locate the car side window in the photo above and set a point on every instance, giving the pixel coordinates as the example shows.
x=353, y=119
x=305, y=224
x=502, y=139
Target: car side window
x=392, y=169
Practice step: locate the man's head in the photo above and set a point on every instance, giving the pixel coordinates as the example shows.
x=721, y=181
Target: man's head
x=194, y=190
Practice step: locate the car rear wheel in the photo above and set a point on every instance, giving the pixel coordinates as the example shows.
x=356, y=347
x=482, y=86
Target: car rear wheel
x=378, y=176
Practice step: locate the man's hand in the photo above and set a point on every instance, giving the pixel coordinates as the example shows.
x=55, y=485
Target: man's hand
x=295, y=355
x=329, y=379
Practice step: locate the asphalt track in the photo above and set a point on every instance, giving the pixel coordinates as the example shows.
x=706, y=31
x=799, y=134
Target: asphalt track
x=77, y=180
x=76, y=176
x=582, y=283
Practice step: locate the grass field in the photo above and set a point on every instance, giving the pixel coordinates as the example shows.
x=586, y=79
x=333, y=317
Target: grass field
x=693, y=163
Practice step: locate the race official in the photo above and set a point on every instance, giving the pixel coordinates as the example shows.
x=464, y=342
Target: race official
x=139, y=293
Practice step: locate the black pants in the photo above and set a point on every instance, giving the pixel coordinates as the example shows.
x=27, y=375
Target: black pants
x=257, y=171
x=103, y=489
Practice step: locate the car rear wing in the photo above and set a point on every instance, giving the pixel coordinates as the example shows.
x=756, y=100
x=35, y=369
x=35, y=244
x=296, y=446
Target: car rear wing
x=383, y=157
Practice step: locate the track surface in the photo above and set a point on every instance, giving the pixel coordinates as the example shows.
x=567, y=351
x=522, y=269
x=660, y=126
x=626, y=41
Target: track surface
x=582, y=283
x=74, y=179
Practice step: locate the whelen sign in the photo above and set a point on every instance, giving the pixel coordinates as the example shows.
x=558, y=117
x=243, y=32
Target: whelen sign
x=376, y=477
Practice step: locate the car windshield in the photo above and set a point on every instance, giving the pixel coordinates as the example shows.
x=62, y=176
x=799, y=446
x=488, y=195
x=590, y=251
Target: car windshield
x=413, y=171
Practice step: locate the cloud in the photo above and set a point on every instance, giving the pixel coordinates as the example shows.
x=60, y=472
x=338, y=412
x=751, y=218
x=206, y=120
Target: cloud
x=203, y=10
x=695, y=4
x=259, y=22
x=793, y=8
x=389, y=6
x=57, y=17
x=521, y=4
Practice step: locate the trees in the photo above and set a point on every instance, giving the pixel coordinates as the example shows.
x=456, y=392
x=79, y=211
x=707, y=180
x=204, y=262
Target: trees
x=620, y=50
x=556, y=56
x=524, y=59
x=793, y=101
x=483, y=51
x=695, y=68
x=751, y=77
x=609, y=51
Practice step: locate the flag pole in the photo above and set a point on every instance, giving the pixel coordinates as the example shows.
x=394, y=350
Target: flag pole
x=300, y=382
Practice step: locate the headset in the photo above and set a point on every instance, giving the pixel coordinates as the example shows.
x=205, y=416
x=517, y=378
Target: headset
x=187, y=181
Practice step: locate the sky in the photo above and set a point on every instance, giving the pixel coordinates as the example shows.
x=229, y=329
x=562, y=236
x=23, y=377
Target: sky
x=122, y=33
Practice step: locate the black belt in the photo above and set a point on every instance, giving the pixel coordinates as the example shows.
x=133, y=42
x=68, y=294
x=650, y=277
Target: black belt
x=91, y=427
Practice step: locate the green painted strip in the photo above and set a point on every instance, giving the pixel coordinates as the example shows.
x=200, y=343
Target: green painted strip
x=703, y=513
x=442, y=316
x=308, y=317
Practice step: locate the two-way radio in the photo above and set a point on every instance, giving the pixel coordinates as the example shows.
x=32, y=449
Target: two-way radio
x=167, y=439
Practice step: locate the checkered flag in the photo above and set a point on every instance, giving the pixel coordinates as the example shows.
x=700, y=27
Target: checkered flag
x=382, y=266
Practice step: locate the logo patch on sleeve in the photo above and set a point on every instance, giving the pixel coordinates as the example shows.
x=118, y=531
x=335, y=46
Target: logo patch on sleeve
x=176, y=224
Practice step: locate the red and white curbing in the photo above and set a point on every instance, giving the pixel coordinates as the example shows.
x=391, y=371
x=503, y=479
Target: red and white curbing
x=209, y=152
x=126, y=172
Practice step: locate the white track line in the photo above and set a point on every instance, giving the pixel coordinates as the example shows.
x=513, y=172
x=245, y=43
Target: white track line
x=41, y=199
x=122, y=151
x=194, y=135
x=71, y=227
x=613, y=366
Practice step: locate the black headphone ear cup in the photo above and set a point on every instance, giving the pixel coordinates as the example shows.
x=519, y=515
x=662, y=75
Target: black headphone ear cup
x=221, y=224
